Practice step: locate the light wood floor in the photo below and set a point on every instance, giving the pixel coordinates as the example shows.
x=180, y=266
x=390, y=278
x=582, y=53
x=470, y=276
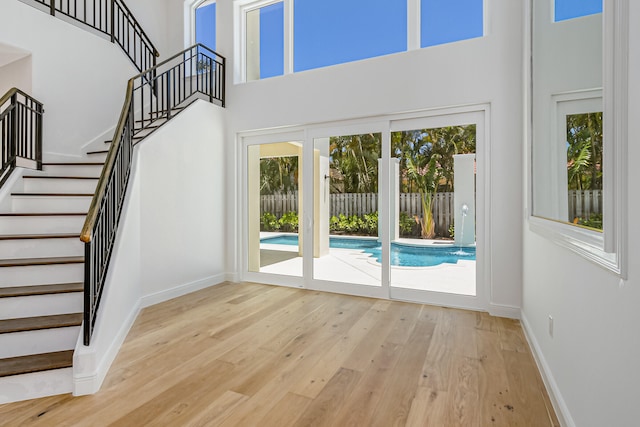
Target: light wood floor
x=255, y=355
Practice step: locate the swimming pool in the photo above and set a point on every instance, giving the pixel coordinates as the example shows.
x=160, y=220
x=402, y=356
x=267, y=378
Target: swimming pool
x=402, y=255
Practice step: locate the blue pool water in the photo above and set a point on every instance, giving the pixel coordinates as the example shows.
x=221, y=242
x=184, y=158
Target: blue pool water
x=401, y=254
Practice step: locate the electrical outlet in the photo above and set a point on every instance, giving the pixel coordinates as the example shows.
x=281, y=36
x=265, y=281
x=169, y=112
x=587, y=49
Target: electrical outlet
x=550, y=326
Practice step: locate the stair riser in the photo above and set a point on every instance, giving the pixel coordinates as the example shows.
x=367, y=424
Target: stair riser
x=38, y=225
x=40, y=305
x=37, y=342
x=50, y=185
x=41, y=248
x=66, y=170
x=36, y=385
x=41, y=275
x=97, y=157
x=46, y=204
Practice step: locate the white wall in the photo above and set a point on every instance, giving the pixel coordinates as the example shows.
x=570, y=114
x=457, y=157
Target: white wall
x=15, y=69
x=592, y=358
x=183, y=219
x=171, y=240
x=152, y=15
x=80, y=77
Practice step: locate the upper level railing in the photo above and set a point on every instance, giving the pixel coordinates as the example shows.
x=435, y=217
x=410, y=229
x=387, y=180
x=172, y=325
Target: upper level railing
x=20, y=132
x=113, y=18
x=152, y=98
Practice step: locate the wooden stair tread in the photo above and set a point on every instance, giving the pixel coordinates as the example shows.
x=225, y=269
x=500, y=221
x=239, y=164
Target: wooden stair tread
x=59, y=177
x=25, y=262
x=53, y=194
x=36, y=363
x=73, y=164
x=43, y=214
x=39, y=236
x=41, y=322
x=24, y=291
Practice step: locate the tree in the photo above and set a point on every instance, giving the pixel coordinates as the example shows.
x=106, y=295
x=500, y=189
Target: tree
x=354, y=163
x=426, y=177
x=278, y=174
x=584, y=151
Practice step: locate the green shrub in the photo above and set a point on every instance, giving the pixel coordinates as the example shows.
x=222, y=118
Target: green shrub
x=406, y=224
x=289, y=222
x=370, y=223
x=269, y=222
x=595, y=221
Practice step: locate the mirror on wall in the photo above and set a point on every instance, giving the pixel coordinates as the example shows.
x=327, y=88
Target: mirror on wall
x=567, y=118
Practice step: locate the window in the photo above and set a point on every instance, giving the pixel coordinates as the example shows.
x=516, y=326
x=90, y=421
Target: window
x=447, y=21
x=206, y=24
x=277, y=37
x=578, y=124
x=570, y=9
x=332, y=32
x=265, y=41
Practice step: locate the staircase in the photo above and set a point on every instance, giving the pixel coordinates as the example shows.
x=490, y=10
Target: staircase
x=41, y=278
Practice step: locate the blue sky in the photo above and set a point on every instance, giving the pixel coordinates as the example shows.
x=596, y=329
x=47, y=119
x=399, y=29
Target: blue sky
x=206, y=25
x=569, y=9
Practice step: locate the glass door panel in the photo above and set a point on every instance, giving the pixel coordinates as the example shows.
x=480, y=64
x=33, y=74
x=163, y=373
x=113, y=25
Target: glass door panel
x=346, y=245
x=432, y=210
x=274, y=174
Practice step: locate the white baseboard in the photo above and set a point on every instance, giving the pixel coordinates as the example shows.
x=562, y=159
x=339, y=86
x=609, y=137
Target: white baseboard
x=180, y=290
x=90, y=368
x=501, y=310
x=559, y=405
x=232, y=277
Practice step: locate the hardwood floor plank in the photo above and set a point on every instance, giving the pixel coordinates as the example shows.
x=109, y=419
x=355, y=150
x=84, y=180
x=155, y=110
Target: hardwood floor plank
x=247, y=354
x=428, y=408
x=323, y=409
x=462, y=408
x=217, y=411
x=393, y=408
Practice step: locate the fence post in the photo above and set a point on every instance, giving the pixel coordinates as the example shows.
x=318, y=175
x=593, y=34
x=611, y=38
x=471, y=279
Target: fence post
x=52, y=8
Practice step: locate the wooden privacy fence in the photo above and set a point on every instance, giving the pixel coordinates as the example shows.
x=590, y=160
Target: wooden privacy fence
x=365, y=203
x=584, y=203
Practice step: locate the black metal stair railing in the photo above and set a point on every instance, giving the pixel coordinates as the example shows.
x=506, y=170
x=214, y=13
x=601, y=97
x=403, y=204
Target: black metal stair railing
x=113, y=18
x=152, y=98
x=20, y=132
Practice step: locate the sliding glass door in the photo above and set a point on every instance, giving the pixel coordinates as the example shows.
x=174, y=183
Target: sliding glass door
x=384, y=209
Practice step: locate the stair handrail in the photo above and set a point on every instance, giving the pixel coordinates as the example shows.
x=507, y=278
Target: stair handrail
x=20, y=131
x=154, y=93
x=114, y=19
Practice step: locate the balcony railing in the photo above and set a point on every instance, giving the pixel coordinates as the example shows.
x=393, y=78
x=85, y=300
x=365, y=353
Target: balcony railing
x=20, y=132
x=114, y=19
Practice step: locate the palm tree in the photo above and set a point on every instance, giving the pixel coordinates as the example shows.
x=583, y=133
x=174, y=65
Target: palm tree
x=584, y=151
x=426, y=177
x=354, y=163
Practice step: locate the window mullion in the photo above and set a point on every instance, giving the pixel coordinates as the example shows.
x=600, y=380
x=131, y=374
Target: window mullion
x=413, y=24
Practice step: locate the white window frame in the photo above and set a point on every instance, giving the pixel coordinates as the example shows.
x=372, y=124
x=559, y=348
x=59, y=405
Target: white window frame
x=609, y=248
x=190, y=7
x=240, y=10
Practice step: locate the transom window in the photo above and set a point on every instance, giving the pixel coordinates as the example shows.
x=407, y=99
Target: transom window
x=286, y=36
